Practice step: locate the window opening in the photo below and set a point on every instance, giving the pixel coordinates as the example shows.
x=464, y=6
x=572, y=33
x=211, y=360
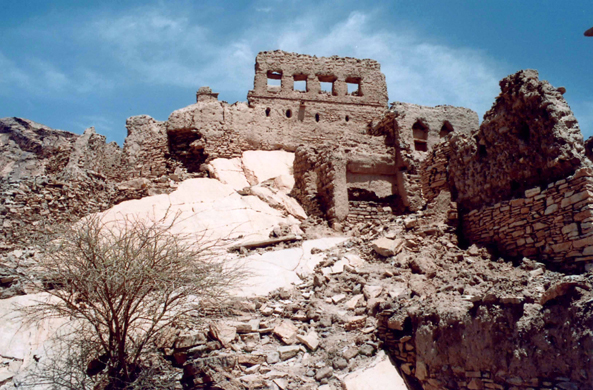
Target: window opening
x=347, y=118
x=420, y=146
x=268, y=111
x=524, y=132
x=274, y=80
x=446, y=129
x=420, y=134
x=317, y=118
x=353, y=84
x=300, y=82
x=327, y=85
x=288, y=113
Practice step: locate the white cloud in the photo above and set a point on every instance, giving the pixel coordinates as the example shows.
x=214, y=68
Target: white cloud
x=166, y=48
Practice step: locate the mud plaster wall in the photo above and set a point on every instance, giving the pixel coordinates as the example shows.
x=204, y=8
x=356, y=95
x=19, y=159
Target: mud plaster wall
x=414, y=131
x=554, y=224
x=281, y=118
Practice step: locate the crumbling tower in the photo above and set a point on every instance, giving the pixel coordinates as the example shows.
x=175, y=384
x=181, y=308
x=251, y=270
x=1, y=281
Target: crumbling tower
x=339, y=91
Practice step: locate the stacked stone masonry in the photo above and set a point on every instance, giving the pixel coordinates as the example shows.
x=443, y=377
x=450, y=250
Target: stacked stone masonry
x=554, y=224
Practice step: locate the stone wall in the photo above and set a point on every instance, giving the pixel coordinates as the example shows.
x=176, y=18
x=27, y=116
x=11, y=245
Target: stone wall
x=434, y=173
x=554, y=224
x=528, y=138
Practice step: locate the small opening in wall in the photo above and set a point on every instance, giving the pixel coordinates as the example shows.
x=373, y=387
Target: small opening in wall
x=327, y=84
x=268, y=111
x=482, y=151
x=274, y=80
x=420, y=145
x=317, y=117
x=446, y=129
x=353, y=84
x=300, y=82
x=524, y=132
x=288, y=113
x=347, y=118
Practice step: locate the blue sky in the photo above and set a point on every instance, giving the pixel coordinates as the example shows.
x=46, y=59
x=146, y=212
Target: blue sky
x=75, y=64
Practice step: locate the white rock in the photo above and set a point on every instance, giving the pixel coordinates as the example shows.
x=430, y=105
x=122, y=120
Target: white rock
x=380, y=375
x=229, y=171
x=260, y=166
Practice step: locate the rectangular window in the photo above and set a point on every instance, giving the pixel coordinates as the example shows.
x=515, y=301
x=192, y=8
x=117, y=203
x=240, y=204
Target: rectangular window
x=353, y=84
x=327, y=85
x=274, y=80
x=300, y=82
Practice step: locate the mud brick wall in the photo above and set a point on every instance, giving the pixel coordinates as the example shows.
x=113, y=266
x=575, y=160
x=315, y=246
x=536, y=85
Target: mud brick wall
x=554, y=224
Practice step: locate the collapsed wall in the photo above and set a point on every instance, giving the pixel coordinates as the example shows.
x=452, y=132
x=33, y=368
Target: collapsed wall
x=514, y=179
x=528, y=138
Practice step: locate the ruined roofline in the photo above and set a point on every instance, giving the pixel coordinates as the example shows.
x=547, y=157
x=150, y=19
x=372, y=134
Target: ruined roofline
x=282, y=53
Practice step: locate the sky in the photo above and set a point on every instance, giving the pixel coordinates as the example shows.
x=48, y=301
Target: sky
x=72, y=64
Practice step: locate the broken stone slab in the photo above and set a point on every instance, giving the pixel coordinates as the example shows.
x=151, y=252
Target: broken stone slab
x=387, y=247
x=371, y=292
x=286, y=331
x=264, y=242
x=223, y=333
x=380, y=375
x=251, y=359
x=324, y=372
x=559, y=289
x=190, y=340
x=288, y=351
x=249, y=327
x=338, y=298
x=354, y=301
x=310, y=340
x=355, y=322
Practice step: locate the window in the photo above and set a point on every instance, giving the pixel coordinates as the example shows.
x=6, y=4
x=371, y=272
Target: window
x=353, y=84
x=446, y=129
x=347, y=118
x=268, y=111
x=274, y=80
x=420, y=134
x=327, y=85
x=288, y=113
x=317, y=118
x=300, y=82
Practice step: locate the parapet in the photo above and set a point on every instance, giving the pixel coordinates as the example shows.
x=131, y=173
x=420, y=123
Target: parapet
x=283, y=75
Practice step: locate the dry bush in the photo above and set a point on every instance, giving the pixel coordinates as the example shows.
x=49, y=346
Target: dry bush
x=124, y=285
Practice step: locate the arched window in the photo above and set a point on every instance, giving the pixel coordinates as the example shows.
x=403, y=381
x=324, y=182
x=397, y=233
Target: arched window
x=317, y=118
x=268, y=111
x=446, y=129
x=288, y=113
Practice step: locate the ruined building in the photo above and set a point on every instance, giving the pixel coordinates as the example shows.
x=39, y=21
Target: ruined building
x=517, y=187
